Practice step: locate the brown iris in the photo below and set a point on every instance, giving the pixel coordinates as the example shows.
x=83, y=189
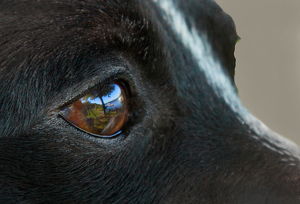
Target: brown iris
x=100, y=112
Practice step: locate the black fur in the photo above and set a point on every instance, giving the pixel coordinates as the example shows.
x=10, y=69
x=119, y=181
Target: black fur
x=183, y=142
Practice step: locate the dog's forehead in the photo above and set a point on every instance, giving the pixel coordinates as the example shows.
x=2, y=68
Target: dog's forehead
x=204, y=38
x=205, y=15
x=191, y=21
x=200, y=12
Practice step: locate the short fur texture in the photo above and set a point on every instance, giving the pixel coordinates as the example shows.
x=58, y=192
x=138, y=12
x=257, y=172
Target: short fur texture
x=184, y=142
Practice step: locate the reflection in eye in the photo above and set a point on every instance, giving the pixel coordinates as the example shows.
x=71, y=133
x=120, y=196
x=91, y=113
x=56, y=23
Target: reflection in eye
x=100, y=112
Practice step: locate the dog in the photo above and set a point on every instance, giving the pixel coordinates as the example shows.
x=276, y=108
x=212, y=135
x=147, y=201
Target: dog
x=175, y=132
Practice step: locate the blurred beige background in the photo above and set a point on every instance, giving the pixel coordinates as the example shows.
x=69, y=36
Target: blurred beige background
x=268, y=61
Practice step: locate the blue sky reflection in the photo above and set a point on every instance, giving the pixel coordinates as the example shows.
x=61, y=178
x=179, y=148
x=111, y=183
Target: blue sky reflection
x=114, y=94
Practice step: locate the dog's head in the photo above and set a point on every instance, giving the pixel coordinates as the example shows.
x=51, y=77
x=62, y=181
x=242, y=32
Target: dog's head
x=111, y=101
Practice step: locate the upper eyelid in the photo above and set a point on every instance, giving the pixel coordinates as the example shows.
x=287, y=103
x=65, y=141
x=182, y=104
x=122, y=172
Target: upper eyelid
x=93, y=86
x=109, y=65
x=78, y=96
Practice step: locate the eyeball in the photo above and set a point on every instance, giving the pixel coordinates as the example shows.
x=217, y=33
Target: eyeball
x=102, y=112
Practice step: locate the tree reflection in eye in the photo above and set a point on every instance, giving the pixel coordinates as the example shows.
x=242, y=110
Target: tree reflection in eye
x=100, y=112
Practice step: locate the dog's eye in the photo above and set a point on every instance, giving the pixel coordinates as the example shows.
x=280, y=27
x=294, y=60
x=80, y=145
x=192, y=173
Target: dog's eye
x=100, y=112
